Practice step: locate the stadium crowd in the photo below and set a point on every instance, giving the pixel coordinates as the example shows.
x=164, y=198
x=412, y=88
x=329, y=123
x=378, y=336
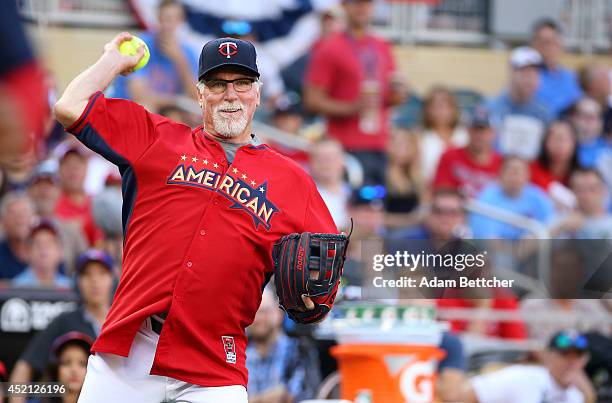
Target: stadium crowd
x=541, y=149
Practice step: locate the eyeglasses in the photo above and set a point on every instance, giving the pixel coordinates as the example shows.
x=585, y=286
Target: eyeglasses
x=218, y=86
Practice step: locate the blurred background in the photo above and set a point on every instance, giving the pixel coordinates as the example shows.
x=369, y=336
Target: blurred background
x=429, y=121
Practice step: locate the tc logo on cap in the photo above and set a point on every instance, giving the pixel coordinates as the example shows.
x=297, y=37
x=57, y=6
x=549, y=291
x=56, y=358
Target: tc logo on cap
x=228, y=49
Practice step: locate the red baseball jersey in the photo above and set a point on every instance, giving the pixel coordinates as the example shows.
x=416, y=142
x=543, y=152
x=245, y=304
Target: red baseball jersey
x=198, y=236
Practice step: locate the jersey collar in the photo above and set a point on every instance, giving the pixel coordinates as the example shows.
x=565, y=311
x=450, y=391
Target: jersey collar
x=254, y=144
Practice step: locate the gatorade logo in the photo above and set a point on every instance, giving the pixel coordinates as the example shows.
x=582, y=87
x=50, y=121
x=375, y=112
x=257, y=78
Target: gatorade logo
x=416, y=382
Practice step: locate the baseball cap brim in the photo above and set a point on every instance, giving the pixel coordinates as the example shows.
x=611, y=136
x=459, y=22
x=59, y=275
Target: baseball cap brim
x=240, y=66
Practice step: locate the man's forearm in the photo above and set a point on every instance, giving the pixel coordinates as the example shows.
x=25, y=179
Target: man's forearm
x=317, y=101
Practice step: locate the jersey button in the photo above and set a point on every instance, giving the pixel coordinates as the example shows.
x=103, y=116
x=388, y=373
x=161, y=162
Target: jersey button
x=202, y=232
x=216, y=202
x=189, y=264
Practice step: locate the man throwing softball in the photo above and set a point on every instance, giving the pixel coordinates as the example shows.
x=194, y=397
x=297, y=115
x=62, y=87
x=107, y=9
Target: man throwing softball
x=203, y=212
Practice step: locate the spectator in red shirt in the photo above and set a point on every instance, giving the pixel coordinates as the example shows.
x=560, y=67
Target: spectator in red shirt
x=351, y=81
x=470, y=168
x=74, y=204
x=557, y=160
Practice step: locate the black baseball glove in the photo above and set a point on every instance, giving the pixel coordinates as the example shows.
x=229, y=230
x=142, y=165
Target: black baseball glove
x=311, y=265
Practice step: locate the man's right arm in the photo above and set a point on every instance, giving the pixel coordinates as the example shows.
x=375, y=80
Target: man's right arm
x=321, y=75
x=96, y=78
x=317, y=100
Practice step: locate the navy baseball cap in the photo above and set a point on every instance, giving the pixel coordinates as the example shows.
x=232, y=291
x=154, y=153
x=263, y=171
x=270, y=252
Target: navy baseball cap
x=480, y=117
x=568, y=340
x=94, y=255
x=288, y=103
x=228, y=52
x=368, y=195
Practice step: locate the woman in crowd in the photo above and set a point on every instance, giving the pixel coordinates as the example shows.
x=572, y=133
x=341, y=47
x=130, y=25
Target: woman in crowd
x=69, y=354
x=442, y=128
x=558, y=158
x=404, y=184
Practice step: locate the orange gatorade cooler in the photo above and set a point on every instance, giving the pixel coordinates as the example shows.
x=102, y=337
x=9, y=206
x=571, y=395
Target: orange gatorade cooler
x=390, y=373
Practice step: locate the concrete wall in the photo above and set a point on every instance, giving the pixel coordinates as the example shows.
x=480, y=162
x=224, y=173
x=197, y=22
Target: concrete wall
x=68, y=51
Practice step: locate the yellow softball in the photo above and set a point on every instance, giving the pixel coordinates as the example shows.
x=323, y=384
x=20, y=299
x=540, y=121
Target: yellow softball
x=130, y=48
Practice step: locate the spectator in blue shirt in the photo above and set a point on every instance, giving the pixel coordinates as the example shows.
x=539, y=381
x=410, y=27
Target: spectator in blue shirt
x=515, y=194
x=444, y=220
x=586, y=118
x=280, y=368
x=517, y=116
x=16, y=215
x=559, y=87
x=45, y=252
x=172, y=67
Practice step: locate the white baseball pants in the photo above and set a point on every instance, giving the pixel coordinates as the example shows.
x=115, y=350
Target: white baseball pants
x=117, y=379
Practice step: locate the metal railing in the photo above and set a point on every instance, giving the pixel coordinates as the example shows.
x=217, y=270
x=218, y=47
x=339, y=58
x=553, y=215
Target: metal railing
x=587, y=24
x=540, y=232
x=454, y=22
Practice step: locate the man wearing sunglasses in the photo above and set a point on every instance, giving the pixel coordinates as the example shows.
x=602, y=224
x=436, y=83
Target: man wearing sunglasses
x=202, y=210
x=561, y=378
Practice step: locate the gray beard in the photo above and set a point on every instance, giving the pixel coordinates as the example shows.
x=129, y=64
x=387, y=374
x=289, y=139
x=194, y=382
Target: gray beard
x=229, y=128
